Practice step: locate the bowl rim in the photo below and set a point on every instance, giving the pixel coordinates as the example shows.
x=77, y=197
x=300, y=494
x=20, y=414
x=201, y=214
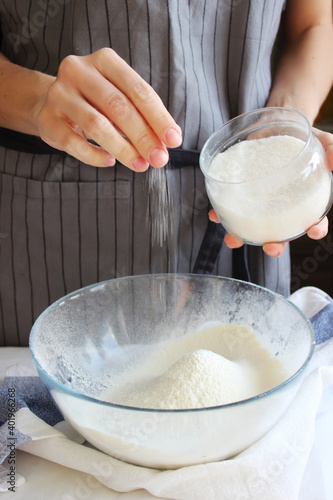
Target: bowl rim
x=91, y=399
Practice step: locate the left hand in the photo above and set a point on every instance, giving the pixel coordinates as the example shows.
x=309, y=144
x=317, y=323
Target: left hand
x=316, y=232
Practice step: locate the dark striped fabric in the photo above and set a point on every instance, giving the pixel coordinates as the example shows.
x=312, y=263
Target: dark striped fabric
x=64, y=224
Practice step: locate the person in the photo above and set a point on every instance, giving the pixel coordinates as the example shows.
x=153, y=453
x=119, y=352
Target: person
x=95, y=97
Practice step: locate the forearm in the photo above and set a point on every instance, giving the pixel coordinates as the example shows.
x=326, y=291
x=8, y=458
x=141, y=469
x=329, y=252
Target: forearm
x=304, y=72
x=22, y=93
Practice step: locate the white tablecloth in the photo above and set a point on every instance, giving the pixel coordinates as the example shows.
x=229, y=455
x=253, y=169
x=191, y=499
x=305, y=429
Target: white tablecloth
x=46, y=480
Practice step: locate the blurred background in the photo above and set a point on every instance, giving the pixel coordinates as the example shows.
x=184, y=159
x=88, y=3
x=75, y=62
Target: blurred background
x=312, y=261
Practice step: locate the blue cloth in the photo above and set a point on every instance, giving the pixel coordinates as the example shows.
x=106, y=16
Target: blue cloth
x=33, y=394
x=10, y=436
x=322, y=323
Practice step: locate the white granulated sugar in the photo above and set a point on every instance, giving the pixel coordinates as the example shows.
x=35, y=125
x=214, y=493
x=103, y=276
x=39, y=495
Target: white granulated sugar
x=263, y=199
x=212, y=367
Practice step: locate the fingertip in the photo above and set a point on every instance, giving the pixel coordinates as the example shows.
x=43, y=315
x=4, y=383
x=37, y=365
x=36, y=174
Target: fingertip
x=316, y=233
x=173, y=136
x=158, y=157
x=110, y=161
x=232, y=242
x=212, y=215
x=274, y=249
x=319, y=231
x=140, y=164
x=90, y=154
x=329, y=153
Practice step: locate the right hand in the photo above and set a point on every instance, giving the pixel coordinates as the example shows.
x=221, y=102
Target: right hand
x=100, y=97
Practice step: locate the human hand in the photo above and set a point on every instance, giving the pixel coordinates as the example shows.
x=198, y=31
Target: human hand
x=100, y=97
x=316, y=232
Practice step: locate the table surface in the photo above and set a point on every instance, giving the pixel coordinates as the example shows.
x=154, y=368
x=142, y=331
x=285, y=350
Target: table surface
x=42, y=477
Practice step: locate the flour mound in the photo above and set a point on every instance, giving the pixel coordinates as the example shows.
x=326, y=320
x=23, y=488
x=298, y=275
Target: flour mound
x=213, y=366
x=199, y=379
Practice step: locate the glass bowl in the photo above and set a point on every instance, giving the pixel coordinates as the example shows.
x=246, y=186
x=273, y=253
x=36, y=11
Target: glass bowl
x=82, y=342
x=271, y=192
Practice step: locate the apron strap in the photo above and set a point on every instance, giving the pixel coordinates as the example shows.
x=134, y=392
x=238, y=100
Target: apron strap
x=209, y=251
x=240, y=267
x=213, y=239
x=25, y=143
x=214, y=236
x=179, y=158
x=210, y=248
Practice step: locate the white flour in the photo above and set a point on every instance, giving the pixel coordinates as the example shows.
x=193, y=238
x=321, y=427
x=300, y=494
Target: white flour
x=212, y=366
x=197, y=380
x=160, y=210
x=215, y=366
x=278, y=207
x=254, y=159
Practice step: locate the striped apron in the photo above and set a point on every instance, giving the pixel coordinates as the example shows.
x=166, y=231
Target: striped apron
x=64, y=224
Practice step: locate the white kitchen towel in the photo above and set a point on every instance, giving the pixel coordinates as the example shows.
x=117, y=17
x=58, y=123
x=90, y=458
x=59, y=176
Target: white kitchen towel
x=271, y=469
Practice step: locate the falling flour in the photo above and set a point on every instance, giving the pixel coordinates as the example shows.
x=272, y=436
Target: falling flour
x=159, y=213
x=212, y=367
x=262, y=201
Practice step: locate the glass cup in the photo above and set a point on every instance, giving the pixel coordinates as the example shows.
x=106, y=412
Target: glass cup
x=256, y=200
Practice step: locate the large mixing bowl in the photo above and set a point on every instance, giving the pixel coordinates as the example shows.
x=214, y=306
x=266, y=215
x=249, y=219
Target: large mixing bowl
x=84, y=340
